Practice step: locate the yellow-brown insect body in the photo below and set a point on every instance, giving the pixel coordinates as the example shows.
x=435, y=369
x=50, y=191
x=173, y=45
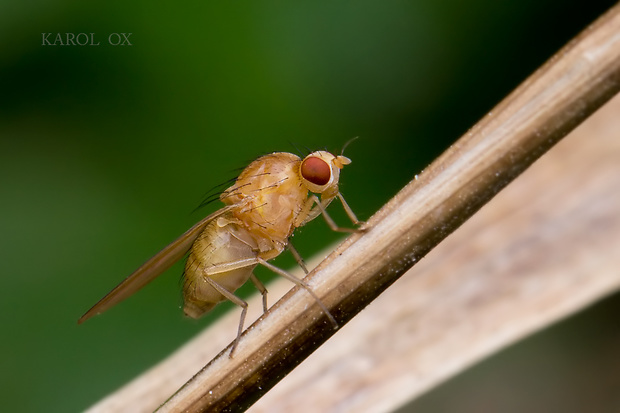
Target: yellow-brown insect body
x=221, y=242
x=271, y=194
x=271, y=199
x=274, y=195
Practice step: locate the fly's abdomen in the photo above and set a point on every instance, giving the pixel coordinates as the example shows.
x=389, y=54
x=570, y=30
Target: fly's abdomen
x=221, y=246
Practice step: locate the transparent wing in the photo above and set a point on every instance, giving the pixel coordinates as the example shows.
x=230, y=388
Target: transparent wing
x=151, y=269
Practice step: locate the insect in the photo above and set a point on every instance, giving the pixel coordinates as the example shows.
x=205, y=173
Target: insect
x=272, y=196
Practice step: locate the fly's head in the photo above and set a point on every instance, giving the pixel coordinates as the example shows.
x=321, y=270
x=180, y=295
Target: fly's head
x=320, y=172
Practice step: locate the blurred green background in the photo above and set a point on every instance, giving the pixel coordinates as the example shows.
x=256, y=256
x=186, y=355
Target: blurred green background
x=105, y=151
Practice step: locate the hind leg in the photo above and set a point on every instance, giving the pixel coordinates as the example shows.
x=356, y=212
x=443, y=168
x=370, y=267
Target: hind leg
x=236, y=300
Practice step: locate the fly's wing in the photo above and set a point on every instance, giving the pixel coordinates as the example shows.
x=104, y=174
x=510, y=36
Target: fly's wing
x=153, y=267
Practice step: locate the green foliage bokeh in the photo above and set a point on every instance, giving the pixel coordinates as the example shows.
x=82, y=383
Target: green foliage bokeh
x=105, y=150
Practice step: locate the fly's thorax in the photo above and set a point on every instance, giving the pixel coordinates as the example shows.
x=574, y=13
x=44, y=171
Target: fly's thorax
x=262, y=175
x=269, y=194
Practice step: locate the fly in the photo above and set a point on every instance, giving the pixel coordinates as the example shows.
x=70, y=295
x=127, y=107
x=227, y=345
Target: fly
x=273, y=196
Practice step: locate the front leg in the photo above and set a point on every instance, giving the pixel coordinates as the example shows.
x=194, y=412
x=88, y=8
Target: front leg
x=320, y=209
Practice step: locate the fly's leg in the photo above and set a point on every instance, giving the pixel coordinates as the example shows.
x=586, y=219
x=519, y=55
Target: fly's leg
x=260, y=287
x=227, y=294
x=230, y=266
x=236, y=300
x=303, y=285
x=330, y=221
x=297, y=257
x=348, y=210
x=247, y=262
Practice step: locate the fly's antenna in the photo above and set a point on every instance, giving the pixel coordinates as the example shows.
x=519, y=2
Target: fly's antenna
x=347, y=144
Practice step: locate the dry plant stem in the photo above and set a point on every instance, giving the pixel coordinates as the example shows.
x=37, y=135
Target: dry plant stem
x=513, y=268
x=571, y=86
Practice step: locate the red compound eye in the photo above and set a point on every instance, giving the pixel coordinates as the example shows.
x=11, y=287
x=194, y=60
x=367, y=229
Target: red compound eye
x=316, y=171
